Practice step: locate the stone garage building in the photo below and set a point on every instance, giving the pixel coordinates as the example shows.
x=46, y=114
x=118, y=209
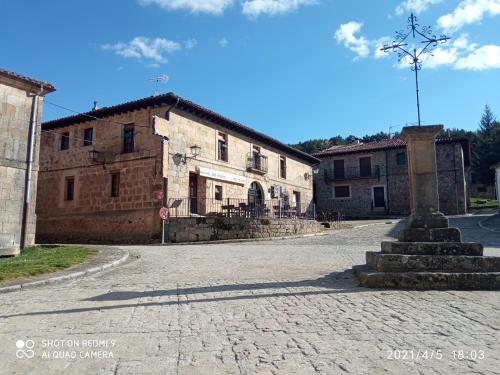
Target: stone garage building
x=101, y=172
x=371, y=179
x=20, y=116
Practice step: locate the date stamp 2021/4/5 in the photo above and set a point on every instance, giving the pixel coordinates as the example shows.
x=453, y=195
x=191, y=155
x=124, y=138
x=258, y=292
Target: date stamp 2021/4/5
x=435, y=354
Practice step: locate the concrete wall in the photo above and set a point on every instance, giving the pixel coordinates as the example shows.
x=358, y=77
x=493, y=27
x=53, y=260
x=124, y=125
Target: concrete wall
x=15, y=113
x=141, y=175
x=394, y=178
x=211, y=229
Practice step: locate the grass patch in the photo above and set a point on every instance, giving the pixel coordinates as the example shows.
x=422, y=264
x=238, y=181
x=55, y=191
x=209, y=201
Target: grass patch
x=38, y=260
x=483, y=203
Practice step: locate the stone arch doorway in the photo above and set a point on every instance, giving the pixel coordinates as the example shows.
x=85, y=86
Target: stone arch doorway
x=255, y=194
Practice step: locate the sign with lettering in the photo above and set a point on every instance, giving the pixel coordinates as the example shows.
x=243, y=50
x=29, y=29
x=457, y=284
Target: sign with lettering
x=223, y=176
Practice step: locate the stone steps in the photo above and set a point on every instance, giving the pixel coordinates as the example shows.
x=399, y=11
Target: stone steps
x=370, y=278
x=419, y=263
x=432, y=248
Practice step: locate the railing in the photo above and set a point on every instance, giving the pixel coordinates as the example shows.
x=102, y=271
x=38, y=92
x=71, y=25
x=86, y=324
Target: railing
x=230, y=207
x=257, y=163
x=339, y=174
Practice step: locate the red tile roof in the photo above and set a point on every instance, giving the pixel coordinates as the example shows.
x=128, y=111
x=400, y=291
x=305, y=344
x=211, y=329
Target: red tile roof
x=187, y=106
x=46, y=86
x=388, y=144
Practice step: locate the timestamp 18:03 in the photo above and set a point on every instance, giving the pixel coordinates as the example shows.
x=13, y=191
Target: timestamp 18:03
x=434, y=354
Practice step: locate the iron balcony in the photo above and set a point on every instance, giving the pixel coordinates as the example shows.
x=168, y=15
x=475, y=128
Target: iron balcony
x=257, y=163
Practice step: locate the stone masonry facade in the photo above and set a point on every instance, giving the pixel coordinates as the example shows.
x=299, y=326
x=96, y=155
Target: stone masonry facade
x=101, y=212
x=221, y=228
x=17, y=98
x=389, y=178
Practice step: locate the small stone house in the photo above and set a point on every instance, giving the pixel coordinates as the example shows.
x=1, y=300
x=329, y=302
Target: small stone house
x=104, y=174
x=21, y=100
x=371, y=179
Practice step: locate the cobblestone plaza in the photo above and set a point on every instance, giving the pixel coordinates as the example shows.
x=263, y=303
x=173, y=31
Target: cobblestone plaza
x=273, y=307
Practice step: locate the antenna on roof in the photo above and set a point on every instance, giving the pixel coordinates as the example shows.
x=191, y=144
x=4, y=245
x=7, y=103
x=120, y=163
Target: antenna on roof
x=158, y=80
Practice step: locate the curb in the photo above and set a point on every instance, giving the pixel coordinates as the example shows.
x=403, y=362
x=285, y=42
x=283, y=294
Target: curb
x=71, y=276
x=241, y=240
x=482, y=226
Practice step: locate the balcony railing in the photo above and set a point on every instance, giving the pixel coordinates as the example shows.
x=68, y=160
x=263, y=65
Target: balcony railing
x=257, y=163
x=231, y=207
x=351, y=173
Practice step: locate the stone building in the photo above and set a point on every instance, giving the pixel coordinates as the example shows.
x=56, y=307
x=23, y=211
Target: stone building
x=371, y=179
x=101, y=172
x=20, y=116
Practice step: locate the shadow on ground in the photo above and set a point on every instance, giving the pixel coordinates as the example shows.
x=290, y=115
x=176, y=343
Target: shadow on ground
x=336, y=282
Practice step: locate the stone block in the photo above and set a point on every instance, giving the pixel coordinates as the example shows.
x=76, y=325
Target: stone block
x=423, y=263
x=432, y=248
x=430, y=235
x=428, y=280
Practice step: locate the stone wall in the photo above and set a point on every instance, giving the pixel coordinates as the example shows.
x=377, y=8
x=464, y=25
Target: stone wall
x=136, y=226
x=15, y=113
x=211, y=229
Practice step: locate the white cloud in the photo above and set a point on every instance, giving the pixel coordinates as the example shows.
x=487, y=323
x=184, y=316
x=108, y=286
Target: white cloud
x=190, y=43
x=482, y=58
x=223, y=42
x=379, y=44
x=346, y=34
x=415, y=6
x=254, y=8
x=460, y=55
x=468, y=12
x=152, y=50
x=195, y=6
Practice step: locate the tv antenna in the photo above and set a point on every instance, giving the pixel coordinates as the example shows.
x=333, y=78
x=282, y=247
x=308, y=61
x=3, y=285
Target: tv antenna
x=414, y=58
x=159, y=79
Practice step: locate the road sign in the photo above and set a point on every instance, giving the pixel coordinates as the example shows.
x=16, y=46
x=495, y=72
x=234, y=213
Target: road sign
x=159, y=195
x=164, y=214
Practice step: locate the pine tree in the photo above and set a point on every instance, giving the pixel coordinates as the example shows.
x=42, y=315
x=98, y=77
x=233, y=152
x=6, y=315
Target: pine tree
x=488, y=120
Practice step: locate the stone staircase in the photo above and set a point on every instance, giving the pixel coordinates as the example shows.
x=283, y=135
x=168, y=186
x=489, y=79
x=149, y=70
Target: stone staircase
x=433, y=258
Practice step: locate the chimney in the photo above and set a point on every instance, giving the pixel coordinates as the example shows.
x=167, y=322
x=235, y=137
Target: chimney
x=95, y=107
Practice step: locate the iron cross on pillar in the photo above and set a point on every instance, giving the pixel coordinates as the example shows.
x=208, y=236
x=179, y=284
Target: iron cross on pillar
x=415, y=57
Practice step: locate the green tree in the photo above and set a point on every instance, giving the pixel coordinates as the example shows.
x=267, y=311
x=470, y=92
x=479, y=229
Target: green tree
x=486, y=150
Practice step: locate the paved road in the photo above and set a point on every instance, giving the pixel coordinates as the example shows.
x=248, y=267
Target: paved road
x=280, y=307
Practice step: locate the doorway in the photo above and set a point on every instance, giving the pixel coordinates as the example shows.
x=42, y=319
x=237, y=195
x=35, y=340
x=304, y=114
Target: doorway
x=379, y=197
x=255, y=195
x=193, y=193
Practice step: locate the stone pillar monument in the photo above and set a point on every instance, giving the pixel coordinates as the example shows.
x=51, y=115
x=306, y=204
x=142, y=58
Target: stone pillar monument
x=422, y=175
x=429, y=254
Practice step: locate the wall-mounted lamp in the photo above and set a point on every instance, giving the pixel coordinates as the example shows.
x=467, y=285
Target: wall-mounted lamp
x=97, y=157
x=307, y=175
x=183, y=158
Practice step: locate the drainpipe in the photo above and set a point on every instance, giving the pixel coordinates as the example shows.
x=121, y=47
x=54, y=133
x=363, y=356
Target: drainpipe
x=29, y=168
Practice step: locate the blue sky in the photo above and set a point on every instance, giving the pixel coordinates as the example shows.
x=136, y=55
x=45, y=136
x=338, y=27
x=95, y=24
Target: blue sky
x=294, y=69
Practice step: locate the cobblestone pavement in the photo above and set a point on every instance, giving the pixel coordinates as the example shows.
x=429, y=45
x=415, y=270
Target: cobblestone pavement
x=278, y=307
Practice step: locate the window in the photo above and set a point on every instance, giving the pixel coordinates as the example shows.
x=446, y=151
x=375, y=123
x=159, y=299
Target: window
x=218, y=192
x=342, y=191
x=115, y=184
x=338, y=169
x=88, y=136
x=256, y=157
x=69, y=189
x=282, y=167
x=64, y=141
x=222, y=147
x=365, y=167
x=401, y=158
x=128, y=139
